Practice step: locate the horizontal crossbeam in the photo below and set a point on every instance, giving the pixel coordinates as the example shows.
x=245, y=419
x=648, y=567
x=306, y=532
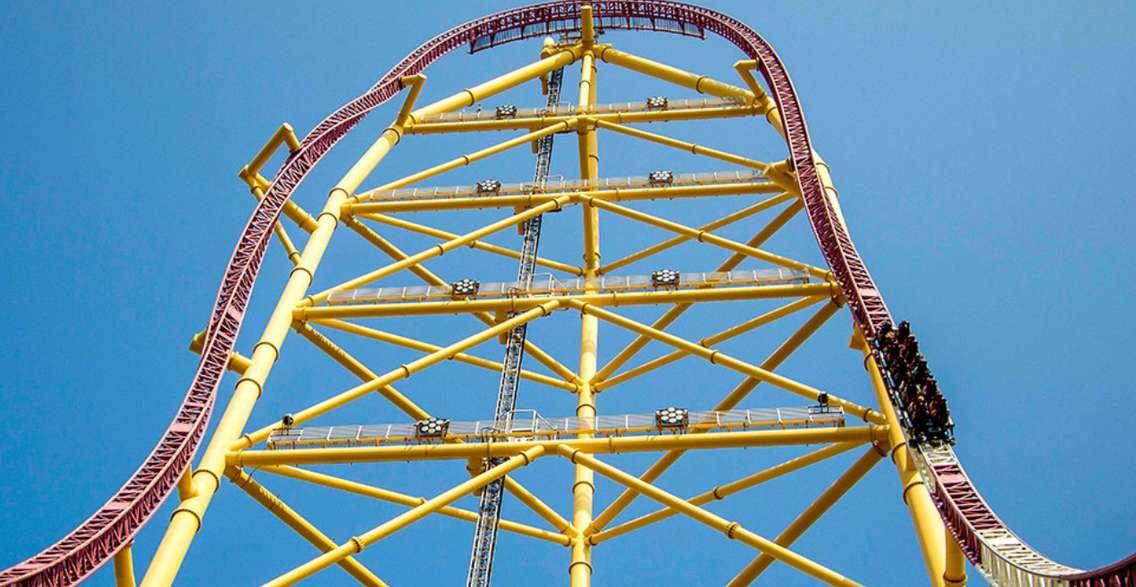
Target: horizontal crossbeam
x=519, y=304
x=656, y=442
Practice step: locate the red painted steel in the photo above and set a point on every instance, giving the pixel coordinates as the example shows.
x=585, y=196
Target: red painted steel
x=114, y=525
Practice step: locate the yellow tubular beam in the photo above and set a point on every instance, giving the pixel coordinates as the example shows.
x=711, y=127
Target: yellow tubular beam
x=390, y=249
x=297, y=522
x=440, y=249
x=124, y=567
x=402, y=372
x=684, y=145
x=516, y=304
x=286, y=243
x=699, y=83
x=471, y=96
x=360, y=370
x=679, y=239
x=955, y=573
x=542, y=509
x=405, y=404
x=731, y=400
x=929, y=526
x=711, y=340
x=464, y=160
x=657, y=442
x=415, y=344
x=429, y=277
x=407, y=500
x=622, y=117
x=358, y=543
x=480, y=245
x=732, y=530
x=185, y=485
x=527, y=200
x=291, y=209
x=237, y=362
x=187, y=517
x=283, y=135
x=718, y=358
x=811, y=514
x=745, y=69
x=583, y=486
x=673, y=313
x=707, y=237
x=723, y=491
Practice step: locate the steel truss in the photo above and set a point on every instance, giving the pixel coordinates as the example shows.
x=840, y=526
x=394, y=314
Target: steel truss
x=952, y=522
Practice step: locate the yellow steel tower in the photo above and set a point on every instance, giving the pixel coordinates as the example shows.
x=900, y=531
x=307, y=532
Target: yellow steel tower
x=896, y=412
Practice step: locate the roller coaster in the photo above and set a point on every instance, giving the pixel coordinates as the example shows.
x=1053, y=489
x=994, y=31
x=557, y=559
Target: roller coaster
x=911, y=423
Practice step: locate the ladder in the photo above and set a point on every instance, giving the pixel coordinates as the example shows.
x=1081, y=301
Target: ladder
x=489, y=510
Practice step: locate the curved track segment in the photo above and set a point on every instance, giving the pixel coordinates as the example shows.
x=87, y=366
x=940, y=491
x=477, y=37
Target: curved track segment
x=987, y=542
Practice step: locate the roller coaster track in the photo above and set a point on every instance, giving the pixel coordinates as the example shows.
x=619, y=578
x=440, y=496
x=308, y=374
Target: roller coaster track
x=987, y=542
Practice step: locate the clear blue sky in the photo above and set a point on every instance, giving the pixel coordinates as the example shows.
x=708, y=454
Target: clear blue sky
x=984, y=158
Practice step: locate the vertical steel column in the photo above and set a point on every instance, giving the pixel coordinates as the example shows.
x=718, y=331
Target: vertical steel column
x=584, y=488
x=124, y=567
x=187, y=517
x=206, y=480
x=928, y=525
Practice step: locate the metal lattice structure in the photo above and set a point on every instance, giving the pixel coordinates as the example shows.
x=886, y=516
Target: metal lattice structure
x=909, y=421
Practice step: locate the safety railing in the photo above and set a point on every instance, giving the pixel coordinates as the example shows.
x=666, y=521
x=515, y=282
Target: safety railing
x=535, y=426
x=548, y=284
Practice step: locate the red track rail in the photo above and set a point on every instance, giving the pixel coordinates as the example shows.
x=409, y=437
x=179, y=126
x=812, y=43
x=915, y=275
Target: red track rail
x=115, y=524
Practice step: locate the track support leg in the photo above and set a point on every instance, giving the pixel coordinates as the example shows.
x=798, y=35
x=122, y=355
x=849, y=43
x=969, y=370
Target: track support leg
x=928, y=526
x=124, y=567
x=583, y=487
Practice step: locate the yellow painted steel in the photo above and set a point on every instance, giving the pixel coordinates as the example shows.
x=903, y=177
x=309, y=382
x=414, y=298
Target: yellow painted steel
x=481, y=245
x=401, y=372
x=440, y=249
x=615, y=116
x=418, y=345
x=297, y=522
x=678, y=240
x=745, y=69
x=718, y=358
x=124, y=567
x=407, y=500
x=733, y=331
x=613, y=444
x=699, y=83
x=358, y=543
x=466, y=159
x=954, y=574
x=675, y=312
x=708, y=237
x=929, y=528
x=360, y=370
x=612, y=194
x=683, y=145
x=230, y=446
x=429, y=277
x=187, y=517
x=542, y=509
x=774, y=360
x=723, y=491
x=614, y=298
x=283, y=135
x=811, y=514
x=583, y=486
x=732, y=530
